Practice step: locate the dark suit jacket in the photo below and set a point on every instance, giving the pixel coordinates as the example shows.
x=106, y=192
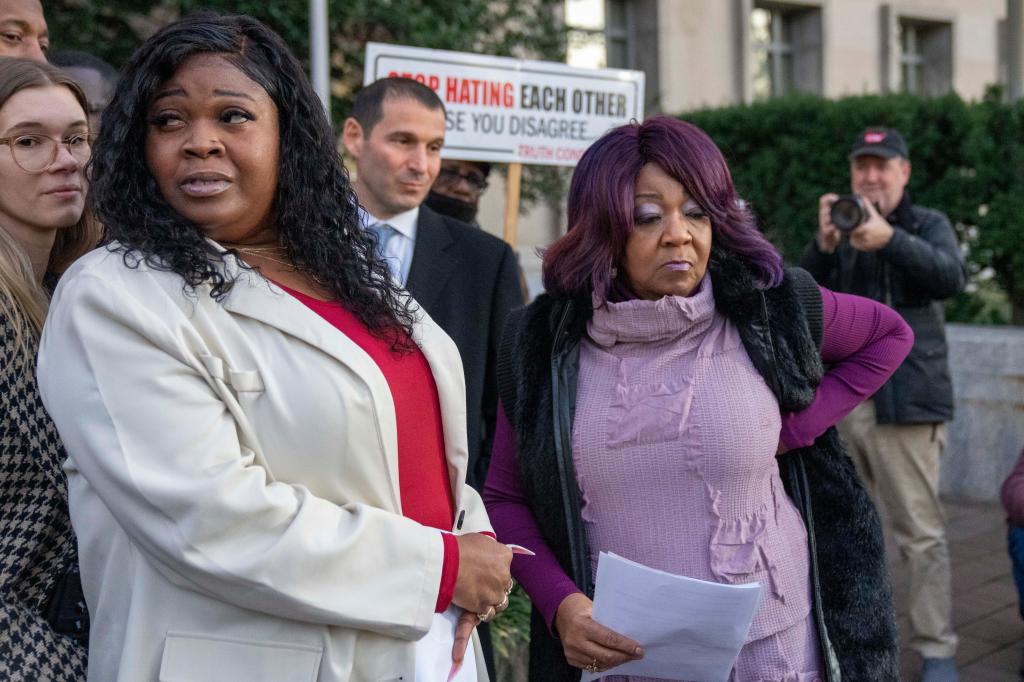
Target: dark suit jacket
x=467, y=281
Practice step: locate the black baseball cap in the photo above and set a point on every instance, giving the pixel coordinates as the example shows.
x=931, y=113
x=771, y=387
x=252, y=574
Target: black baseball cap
x=887, y=143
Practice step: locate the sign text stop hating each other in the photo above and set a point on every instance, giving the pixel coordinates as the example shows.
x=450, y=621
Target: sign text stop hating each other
x=509, y=110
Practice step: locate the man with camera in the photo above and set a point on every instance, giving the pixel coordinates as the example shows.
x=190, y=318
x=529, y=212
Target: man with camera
x=875, y=243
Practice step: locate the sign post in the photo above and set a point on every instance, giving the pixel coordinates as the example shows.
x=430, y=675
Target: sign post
x=515, y=176
x=515, y=111
x=319, y=53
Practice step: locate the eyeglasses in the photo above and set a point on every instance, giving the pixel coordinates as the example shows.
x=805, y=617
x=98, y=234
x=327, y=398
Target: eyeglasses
x=478, y=183
x=36, y=153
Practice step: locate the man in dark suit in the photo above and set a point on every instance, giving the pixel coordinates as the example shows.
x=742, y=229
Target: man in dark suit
x=463, y=277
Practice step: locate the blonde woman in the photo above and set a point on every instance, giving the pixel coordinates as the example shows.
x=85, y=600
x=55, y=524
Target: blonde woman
x=44, y=144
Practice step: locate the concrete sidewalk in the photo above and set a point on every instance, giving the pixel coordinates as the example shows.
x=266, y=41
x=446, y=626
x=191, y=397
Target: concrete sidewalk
x=985, y=610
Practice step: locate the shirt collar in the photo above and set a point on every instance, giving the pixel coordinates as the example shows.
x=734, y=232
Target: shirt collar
x=404, y=223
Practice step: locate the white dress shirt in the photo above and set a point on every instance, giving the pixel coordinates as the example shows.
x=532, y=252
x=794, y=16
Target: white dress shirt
x=399, y=248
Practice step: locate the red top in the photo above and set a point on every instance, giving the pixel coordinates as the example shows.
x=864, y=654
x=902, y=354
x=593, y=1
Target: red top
x=426, y=493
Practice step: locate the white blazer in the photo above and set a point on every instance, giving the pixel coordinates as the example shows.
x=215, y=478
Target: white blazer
x=233, y=482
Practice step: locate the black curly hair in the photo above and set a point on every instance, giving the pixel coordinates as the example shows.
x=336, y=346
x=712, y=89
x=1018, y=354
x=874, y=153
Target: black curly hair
x=315, y=207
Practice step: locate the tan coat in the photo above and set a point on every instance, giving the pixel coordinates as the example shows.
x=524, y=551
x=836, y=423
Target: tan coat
x=233, y=481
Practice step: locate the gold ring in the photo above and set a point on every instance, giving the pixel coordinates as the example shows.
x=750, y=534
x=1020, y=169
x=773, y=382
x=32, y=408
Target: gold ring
x=592, y=667
x=511, y=586
x=502, y=605
x=487, y=615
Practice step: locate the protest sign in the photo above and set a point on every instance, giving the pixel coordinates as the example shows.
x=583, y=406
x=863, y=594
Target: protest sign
x=513, y=110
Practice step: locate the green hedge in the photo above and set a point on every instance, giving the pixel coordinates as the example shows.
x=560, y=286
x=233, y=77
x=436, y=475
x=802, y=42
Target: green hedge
x=968, y=161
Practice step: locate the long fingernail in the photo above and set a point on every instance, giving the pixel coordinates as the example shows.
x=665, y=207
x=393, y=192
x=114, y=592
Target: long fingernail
x=519, y=549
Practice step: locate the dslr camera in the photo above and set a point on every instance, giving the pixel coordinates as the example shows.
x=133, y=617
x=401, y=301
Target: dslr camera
x=848, y=212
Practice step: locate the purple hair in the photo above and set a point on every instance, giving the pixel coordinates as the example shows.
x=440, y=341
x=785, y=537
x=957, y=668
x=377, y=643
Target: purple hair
x=601, y=205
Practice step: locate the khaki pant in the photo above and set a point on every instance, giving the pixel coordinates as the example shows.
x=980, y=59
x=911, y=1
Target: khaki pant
x=899, y=465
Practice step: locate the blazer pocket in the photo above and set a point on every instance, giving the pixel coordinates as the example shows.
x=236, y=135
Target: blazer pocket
x=203, y=658
x=248, y=381
x=240, y=381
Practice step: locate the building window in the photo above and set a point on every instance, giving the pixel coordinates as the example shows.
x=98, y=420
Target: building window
x=911, y=61
x=601, y=33
x=586, y=45
x=619, y=31
x=786, y=42
x=620, y=34
x=773, y=54
x=926, y=51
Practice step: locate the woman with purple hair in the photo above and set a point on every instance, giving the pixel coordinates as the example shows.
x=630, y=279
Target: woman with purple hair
x=647, y=399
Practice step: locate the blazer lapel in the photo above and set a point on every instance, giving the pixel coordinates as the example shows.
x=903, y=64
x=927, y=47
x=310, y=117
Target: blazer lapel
x=446, y=365
x=259, y=299
x=431, y=266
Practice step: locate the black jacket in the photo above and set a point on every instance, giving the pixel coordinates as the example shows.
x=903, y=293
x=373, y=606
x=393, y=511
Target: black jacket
x=466, y=280
x=538, y=368
x=919, y=267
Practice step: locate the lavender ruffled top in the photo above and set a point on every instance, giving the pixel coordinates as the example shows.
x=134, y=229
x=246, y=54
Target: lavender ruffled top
x=674, y=443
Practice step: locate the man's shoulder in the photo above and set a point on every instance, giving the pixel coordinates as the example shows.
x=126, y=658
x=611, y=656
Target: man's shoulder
x=928, y=217
x=464, y=234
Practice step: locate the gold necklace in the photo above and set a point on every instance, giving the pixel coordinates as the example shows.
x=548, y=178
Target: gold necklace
x=262, y=253
x=259, y=250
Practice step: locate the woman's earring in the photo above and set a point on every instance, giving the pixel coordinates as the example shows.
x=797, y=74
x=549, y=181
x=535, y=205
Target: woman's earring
x=615, y=271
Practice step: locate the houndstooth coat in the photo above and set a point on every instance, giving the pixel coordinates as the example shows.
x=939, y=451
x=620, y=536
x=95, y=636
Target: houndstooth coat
x=37, y=545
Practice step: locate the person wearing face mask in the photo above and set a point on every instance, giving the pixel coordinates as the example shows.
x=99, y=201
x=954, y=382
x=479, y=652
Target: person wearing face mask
x=23, y=30
x=457, y=189
x=463, y=277
x=907, y=257
x=44, y=146
x=266, y=436
x=456, y=193
x=645, y=398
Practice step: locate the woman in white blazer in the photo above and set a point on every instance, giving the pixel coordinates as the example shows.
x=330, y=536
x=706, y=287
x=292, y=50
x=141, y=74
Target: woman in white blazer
x=231, y=376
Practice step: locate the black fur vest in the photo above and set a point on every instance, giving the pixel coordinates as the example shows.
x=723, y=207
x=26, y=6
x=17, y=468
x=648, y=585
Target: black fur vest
x=780, y=329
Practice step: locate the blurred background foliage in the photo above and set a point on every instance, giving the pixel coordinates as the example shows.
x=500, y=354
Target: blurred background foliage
x=510, y=635
x=967, y=161
x=530, y=29
x=968, y=157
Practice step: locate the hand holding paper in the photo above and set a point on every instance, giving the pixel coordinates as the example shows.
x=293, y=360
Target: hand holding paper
x=585, y=641
x=467, y=621
x=689, y=629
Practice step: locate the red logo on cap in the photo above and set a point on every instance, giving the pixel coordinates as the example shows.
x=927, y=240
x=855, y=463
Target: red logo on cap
x=874, y=138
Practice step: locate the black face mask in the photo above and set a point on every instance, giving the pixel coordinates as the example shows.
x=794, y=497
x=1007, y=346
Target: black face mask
x=453, y=208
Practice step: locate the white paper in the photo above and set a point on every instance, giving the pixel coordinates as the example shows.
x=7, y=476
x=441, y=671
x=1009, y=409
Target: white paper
x=434, y=651
x=689, y=629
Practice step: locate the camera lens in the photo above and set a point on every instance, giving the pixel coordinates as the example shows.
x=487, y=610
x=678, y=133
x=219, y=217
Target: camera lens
x=847, y=212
